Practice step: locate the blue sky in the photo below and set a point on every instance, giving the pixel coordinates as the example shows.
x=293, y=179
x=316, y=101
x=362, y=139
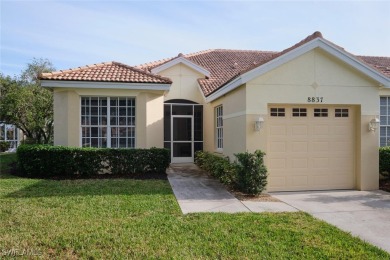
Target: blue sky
x=77, y=33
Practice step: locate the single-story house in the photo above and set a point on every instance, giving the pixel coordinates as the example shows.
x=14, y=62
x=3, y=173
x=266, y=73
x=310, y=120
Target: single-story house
x=314, y=108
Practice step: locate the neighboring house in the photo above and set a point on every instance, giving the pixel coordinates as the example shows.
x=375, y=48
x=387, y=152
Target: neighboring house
x=313, y=108
x=10, y=134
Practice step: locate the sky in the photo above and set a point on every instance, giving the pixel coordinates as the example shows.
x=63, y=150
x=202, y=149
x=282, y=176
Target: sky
x=77, y=33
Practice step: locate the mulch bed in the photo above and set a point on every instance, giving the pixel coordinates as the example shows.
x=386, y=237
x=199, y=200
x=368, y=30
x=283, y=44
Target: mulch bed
x=144, y=176
x=246, y=197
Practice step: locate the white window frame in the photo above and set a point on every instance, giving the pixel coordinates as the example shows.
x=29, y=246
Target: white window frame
x=14, y=141
x=109, y=122
x=384, y=133
x=219, y=128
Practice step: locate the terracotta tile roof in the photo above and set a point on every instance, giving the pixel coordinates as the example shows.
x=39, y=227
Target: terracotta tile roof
x=382, y=64
x=226, y=65
x=221, y=63
x=106, y=72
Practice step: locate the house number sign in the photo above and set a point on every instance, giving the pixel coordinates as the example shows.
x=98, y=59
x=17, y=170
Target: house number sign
x=315, y=99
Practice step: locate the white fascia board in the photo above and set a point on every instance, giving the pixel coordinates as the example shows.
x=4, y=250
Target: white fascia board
x=103, y=85
x=186, y=62
x=357, y=64
x=316, y=43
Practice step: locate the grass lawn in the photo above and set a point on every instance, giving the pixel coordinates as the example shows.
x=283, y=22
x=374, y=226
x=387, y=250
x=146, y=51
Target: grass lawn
x=124, y=218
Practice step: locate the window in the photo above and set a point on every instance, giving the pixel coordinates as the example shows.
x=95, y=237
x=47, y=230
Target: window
x=108, y=122
x=320, y=112
x=9, y=133
x=341, y=112
x=299, y=112
x=277, y=112
x=384, y=121
x=219, y=127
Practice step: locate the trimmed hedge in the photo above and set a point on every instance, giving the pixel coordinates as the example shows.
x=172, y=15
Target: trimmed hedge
x=219, y=167
x=384, y=161
x=45, y=161
x=248, y=174
x=4, y=146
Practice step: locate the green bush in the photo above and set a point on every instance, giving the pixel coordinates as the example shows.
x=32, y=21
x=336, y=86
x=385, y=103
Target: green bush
x=51, y=161
x=384, y=161
x=4, y=146
x=248, y=174
x=219, y=167
x=251, y=173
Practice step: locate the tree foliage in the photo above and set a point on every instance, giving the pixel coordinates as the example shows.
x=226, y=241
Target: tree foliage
x=26, y=104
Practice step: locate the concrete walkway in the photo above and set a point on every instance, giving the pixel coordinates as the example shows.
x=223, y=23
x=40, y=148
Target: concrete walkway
x=195, y=191
x=365, y=214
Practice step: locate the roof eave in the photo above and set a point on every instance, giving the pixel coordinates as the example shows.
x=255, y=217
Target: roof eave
x=104, y=85
x=315, y=43
x=183, y=60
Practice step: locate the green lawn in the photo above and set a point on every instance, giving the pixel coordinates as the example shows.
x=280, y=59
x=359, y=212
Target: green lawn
x=124, y=218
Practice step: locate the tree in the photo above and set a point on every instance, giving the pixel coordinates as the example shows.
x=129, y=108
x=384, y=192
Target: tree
x=37, y=66
x=26, y=104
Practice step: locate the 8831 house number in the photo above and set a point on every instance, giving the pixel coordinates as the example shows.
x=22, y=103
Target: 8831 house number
x=315, y=99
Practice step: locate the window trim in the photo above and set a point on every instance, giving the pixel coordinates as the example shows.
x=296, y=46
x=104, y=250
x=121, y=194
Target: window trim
x=108, y=125
x=321, y=112
x=301, y=112
x=218, y=113
x=14, y=142
x=383, y=118
x=341, y=112
x=277, y=112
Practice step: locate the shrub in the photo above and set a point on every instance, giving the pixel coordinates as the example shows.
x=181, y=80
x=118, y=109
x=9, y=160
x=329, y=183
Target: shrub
x=248, y=174
x=384, y=161
x=251, y=173
x=4, y=146
x=219, y=167
x=57, y=161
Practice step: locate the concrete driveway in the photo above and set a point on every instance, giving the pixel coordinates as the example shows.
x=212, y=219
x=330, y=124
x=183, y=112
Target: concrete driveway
x=365, y=214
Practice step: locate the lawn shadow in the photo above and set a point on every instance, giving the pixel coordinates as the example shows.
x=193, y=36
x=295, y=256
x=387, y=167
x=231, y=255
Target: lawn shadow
x=92, y=187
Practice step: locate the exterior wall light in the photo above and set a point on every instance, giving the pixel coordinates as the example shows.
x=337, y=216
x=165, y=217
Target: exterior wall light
x=258, y=124
x=373, y=125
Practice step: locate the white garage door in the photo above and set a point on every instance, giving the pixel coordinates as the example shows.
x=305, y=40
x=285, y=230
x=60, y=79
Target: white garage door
x=310, y=148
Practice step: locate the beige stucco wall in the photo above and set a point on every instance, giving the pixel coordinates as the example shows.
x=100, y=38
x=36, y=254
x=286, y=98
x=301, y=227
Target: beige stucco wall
x=317, y=74
x=149, y=115
x=234, y=123
x=185, y=84
x=66, y=118
x=384, y=91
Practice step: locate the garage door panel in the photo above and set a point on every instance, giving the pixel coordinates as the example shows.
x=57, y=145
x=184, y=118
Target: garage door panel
x=278, y=147
x=321, y=130
x=321, y=180
x=277, y=163
x=300, y=181
x=341, y=146
x=341, y=130
x=311, y=153
x=277, y=130
x=300, y=163
x=319, y=146
x=299, y=146
x=300, y=130
x=320, y=163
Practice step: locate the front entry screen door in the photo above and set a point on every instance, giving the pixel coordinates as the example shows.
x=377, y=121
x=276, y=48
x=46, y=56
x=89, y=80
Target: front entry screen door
x=182, y=139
